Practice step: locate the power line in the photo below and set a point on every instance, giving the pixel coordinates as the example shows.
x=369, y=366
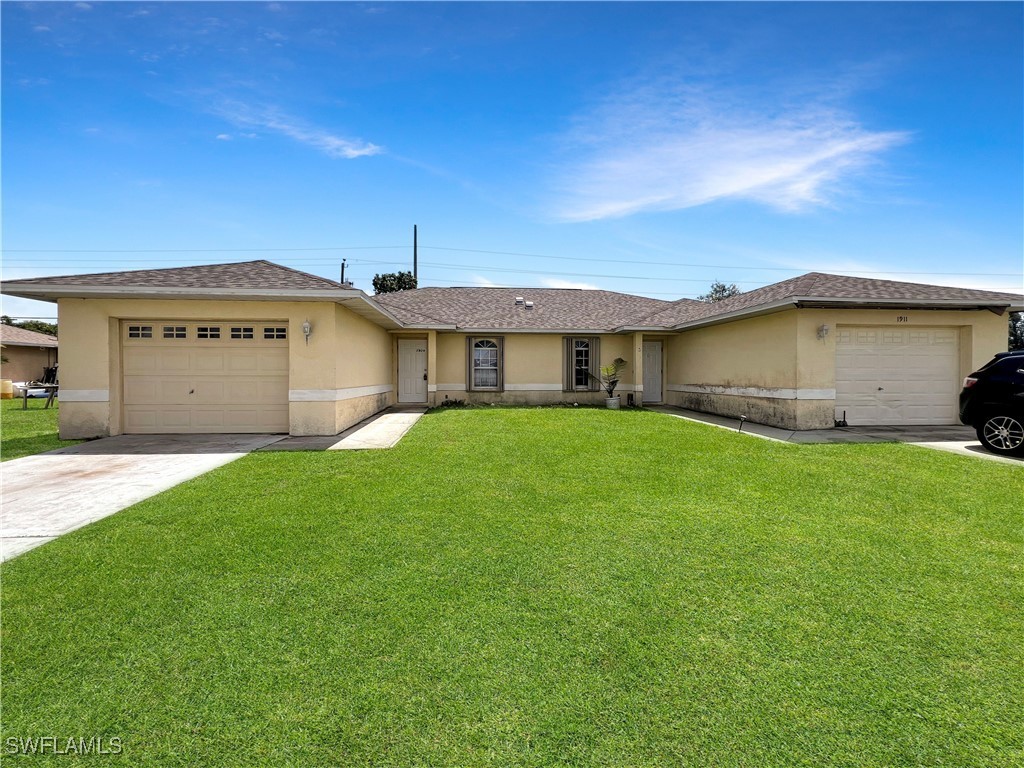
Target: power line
x=478, y=250
x=201, y=250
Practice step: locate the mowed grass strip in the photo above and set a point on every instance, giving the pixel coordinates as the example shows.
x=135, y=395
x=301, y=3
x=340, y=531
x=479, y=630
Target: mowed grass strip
x=539, y=587
x=27, y=432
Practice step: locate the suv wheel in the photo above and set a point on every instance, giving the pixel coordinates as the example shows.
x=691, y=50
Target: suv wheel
x=1002, y=433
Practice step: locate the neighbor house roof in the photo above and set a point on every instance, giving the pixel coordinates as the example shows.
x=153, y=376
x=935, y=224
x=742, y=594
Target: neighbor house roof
x=553, y=309
x=22, y=337
x=819, y=289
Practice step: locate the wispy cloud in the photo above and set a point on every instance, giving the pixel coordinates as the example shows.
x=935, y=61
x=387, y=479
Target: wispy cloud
x=668, y=144
x=224, y=136
x=272, y=119
x=483, y=282
x=550, y=282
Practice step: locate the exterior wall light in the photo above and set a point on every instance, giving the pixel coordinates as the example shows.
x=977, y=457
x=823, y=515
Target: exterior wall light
x=823, y=332
x=306, y=330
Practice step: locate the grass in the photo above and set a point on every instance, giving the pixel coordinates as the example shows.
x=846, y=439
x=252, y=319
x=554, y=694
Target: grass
x=27, y=432
x=535, y=588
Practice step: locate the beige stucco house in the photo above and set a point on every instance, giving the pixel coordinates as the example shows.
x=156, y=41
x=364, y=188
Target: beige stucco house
x=257, y=347
x=26, y=353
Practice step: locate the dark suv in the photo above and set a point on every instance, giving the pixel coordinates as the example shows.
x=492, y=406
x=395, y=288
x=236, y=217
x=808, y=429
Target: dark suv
x=992, y=401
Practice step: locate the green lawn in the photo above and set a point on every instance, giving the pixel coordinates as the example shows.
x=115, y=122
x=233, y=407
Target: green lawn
x=23, y=433
x=539, y=587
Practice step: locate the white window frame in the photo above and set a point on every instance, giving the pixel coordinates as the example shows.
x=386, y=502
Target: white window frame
x=498, y=346
x=571, y=373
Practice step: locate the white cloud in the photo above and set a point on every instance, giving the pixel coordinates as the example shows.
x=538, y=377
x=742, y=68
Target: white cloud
x=550, y=282
x=483, y=282
x=83, y=6
x=272, y=119
x=41, y=28
x=224, y=136
x=667, y=145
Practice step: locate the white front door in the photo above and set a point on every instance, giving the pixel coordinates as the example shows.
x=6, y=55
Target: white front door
x=896, y=375
x=412, y=370
x=652, y=372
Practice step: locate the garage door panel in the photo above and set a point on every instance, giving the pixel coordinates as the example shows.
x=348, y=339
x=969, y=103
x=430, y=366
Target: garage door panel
x=897, y=375
x=271, y=363
x=193, y=383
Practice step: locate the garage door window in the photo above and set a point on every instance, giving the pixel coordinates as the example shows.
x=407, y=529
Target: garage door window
x=140, y=331
x=174, y=332
x=275, y=332
x=208, y=332
x=245, y=332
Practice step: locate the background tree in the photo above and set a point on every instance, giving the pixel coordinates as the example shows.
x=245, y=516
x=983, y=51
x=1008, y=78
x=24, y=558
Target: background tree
x=39, y=326
x=1016, y=330
x=390, y=282
x=720, y=291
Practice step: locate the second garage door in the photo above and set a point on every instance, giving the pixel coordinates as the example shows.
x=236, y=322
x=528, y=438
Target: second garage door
x=205, y=376
x=897, y=375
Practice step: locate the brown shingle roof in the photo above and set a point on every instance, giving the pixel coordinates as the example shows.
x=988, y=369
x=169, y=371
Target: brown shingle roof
x=831, y=288
x=260, y=274
x=495, y=308
x=22, y=337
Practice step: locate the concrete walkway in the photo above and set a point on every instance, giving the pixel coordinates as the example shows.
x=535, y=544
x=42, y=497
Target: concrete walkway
x=953, y=438
x=52, y=493
x=382, y=430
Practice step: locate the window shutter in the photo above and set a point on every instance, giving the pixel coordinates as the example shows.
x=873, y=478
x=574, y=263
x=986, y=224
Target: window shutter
x=595, y=364
x=500, y=340
x=567, y=363
x=469, y=363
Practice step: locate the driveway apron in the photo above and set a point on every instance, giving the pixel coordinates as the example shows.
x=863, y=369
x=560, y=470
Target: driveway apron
x=52, y=493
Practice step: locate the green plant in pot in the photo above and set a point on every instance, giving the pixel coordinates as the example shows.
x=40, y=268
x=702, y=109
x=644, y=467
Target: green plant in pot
x=610, y=377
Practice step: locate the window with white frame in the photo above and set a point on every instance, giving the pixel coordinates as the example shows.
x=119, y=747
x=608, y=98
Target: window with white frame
x=485, y=361
x=581, y=358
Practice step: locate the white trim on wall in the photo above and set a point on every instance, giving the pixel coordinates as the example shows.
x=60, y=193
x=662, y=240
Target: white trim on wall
x=84, y=395
x=451, y=387
x=772, y=393
x=334, y=395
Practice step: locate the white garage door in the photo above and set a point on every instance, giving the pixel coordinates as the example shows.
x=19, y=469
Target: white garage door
x=205, y=376
x=897, y=375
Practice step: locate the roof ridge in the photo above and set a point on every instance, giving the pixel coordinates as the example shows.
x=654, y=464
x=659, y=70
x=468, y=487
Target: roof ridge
x=289, y=269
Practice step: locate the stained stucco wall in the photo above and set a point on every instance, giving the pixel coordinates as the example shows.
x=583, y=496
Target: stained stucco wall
x=341, y=375
x=775, y=369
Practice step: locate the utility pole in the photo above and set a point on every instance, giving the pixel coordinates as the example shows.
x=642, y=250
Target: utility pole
x=415, y=255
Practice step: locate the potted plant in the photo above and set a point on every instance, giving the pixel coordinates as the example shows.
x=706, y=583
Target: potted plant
x=610, y=376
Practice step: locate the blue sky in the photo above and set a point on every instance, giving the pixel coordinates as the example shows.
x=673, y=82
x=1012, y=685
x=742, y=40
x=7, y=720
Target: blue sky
x=647, y=148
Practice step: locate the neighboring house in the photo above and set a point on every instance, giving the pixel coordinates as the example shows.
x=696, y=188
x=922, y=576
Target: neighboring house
x=257, y=347
x=26, y=353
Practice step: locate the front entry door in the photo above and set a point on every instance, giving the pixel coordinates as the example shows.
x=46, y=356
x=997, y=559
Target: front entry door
x=412, y=371
x=652, y=371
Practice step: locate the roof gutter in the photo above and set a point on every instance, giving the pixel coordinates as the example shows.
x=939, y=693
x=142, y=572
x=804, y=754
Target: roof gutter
x=354, y=300
x=810, y=302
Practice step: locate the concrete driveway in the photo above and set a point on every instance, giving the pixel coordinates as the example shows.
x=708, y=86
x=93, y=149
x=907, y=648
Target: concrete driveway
x=952, y=438
x=52, y=493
